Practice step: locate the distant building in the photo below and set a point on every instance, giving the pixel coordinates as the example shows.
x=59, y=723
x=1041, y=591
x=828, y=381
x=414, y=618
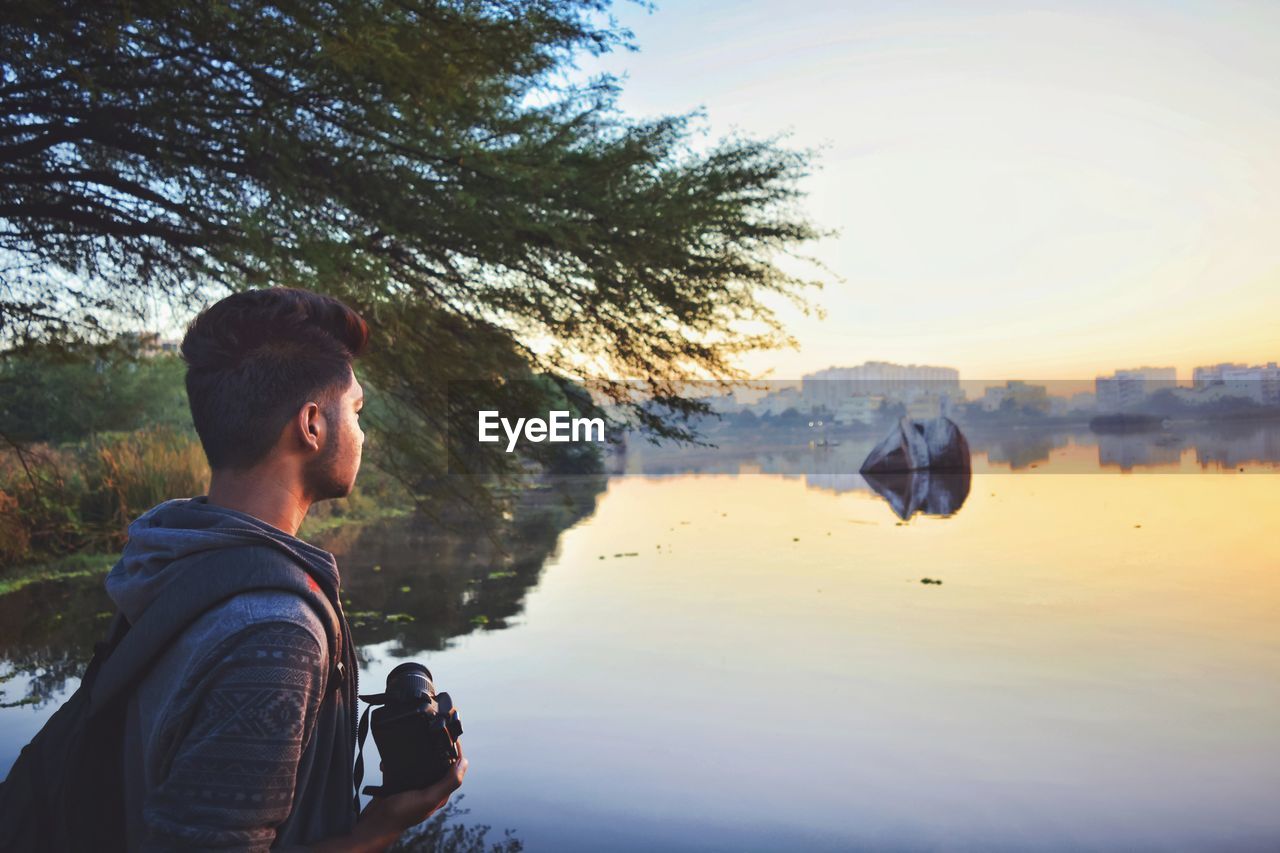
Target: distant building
x=1202, y=377
x=931, y=403
x=778, y=402
x=896, y=382
x=859, y=409
x=1023, y=396
x=1083, y=402
x=150, y=344
x=1127, y=389
x=1205, y=395
x=1260, y=383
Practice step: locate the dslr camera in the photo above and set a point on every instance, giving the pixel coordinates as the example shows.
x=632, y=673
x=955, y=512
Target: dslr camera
x=416, y=730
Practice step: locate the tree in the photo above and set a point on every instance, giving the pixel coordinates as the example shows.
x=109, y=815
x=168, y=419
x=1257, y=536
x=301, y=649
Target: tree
x=67, y=391
x=435, y=164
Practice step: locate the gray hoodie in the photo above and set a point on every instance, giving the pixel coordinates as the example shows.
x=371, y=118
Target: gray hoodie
x=235, y=739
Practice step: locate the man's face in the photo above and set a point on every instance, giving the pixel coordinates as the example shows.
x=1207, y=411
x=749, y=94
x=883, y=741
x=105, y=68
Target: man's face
x=332, y=473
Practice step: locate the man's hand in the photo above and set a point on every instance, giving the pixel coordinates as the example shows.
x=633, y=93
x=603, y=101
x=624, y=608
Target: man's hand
x=398, y=812
x=386, y=818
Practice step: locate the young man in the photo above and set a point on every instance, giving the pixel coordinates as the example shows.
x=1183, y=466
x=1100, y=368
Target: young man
x=241, y=736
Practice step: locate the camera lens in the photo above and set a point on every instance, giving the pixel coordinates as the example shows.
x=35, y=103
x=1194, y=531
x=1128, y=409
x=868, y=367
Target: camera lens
x=409, y=681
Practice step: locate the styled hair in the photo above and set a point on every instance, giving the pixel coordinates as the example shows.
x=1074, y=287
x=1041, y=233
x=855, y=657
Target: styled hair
x=254, y=358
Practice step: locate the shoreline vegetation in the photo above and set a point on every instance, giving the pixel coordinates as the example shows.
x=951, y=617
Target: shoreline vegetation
x=65, y=509
x=92, y=436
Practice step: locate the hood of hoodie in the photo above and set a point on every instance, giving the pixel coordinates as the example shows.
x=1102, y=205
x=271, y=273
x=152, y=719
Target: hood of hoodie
x=178, y=528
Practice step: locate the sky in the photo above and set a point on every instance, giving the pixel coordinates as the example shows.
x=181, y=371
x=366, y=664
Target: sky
x=1038, y=191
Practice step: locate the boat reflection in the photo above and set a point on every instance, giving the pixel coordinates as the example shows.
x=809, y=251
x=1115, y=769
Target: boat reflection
x=929, y=492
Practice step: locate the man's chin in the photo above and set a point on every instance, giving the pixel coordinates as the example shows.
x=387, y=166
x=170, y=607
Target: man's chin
x=329, y=491
x=340, y=492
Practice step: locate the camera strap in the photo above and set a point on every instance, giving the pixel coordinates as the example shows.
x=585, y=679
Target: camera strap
x=362, y=732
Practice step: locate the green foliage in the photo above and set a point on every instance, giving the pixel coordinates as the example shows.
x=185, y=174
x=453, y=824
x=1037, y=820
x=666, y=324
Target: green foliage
x=69, y=390
x=70, y=567
x=55, y=500
x=81, y=496
x=432, y=163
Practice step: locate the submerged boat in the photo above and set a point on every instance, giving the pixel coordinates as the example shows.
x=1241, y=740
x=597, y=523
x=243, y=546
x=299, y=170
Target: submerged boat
x=935, y=444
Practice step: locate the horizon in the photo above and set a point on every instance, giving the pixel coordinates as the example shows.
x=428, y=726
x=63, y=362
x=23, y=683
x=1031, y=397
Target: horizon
x=1066, y=189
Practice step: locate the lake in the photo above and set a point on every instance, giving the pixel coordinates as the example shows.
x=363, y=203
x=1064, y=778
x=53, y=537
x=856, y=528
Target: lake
x=733, y=649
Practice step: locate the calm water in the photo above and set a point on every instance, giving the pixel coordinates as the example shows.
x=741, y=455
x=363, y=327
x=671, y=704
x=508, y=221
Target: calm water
x=734, y=651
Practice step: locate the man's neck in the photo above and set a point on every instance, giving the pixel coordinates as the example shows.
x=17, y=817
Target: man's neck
x=264, y=495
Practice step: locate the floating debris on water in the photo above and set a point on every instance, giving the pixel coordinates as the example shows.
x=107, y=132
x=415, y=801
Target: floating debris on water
x=399, y=617
x=930, y=580
x=493, y=576
x=480, y=620
x=628, y=554
x=377, y=568
x=405, y=589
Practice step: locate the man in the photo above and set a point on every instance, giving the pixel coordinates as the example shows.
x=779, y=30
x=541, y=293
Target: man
x=240, y=736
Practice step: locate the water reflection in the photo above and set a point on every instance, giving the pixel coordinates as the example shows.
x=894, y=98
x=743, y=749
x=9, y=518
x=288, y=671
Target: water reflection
x=47, y=632
x=1129, y=451
x=418, y=585
x=444, y=834
x=421, y=586
x=1102, y=645
x=1018, y=448
x=930, y=492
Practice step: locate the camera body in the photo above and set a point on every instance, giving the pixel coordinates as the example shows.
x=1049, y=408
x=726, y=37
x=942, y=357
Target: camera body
x=416, y=731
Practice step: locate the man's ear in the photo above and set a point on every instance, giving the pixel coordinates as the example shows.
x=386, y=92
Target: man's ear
x=309, y=418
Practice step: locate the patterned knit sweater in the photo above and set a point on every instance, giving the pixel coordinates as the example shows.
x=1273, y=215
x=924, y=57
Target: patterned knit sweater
x=234, y=740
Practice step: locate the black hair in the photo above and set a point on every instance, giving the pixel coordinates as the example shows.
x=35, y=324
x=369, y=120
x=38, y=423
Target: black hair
x=254, y=358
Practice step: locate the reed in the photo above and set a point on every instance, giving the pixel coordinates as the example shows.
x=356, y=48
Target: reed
x=79, y=498
x=76, y=497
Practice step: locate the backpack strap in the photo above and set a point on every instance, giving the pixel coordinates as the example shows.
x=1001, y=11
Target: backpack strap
x=200, y=588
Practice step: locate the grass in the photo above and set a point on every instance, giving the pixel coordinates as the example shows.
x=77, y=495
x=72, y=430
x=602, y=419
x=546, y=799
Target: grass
x=62, y=568
x=95, y=563
x=312, y=527
x=65, y=510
